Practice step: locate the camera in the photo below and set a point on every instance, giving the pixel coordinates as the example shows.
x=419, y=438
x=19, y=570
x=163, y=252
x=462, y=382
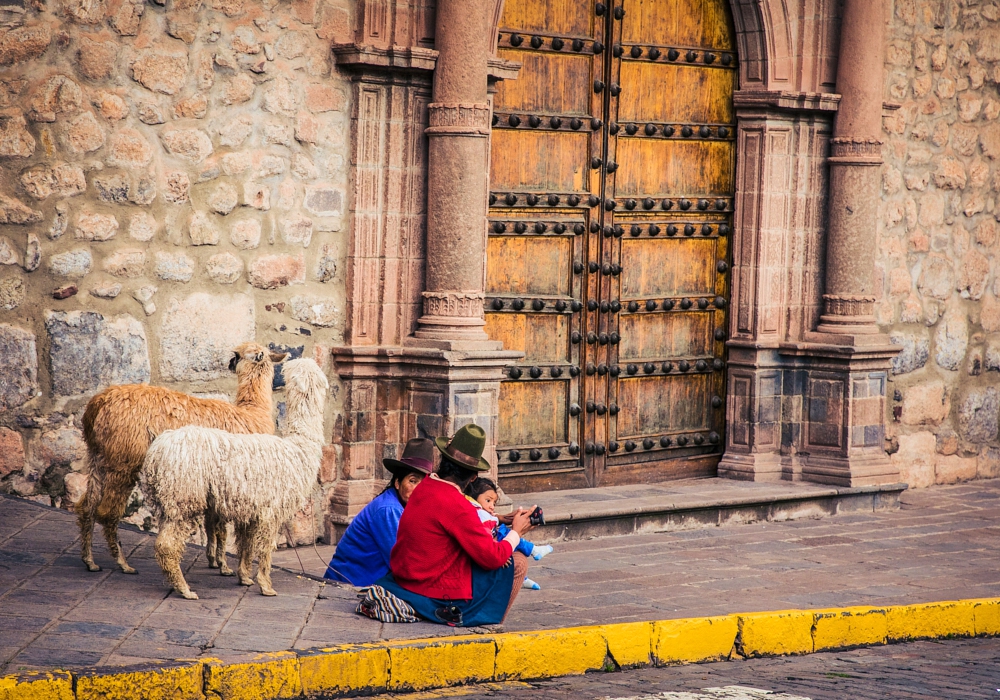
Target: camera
x=537, y=517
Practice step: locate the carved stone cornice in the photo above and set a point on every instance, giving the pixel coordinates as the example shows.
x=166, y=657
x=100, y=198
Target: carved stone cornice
x=848, y=304
x=409, y=58
x=458, y=119
x=454, y=305
x=855, y=151
x=786, y=100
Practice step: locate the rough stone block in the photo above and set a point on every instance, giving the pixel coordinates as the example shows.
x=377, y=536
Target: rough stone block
x=13, y=211
x=91, y=226
x=189, y=145
x=128, y=148
x=273, y=271
x=83, y=134
x=128, y=262
x=174, y=267
x=318, y=311
x=11, y=450
x=915, y=459
x=245, y=234
x=161, y=72
x=11, y=293
x=198, y=333
x=988, y=464
x=925, y=403
x=297, y=230
x=913, y=356
x=73, y=263
x=953, y=469
x=89, y=351
x=324, y=200
x=202, y=229
x=24, y=43
x=96, y=59
x=979, y=414
x=952, y=339
x=224, y=268
x=15, y=140
x=60, y=447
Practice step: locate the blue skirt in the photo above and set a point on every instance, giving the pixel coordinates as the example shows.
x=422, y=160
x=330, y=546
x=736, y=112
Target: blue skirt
x=491, y=591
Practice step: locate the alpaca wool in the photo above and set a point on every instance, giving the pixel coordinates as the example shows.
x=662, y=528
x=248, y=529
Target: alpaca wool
x=257, y=482
x=120, y=422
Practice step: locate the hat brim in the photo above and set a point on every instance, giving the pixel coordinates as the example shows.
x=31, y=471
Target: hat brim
x=442, y=442
x=401, y=469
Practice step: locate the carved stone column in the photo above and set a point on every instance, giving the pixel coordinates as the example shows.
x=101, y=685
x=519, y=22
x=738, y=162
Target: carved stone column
x=855, y=157
x=457, y=173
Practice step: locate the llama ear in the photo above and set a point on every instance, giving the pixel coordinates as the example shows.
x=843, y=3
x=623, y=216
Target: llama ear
x=259, y=357
x=277, y=357
x=233, y=361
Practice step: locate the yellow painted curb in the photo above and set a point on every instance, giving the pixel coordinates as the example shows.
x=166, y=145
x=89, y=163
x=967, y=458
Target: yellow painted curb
x=426, y=664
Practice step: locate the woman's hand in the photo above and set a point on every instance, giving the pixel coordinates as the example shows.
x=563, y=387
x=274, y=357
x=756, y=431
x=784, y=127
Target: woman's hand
x=522, y=521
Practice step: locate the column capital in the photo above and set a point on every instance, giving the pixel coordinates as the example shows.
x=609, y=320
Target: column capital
x=855, y=151
x=458, y=119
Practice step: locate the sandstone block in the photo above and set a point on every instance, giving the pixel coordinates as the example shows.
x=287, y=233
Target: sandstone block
x=988, y=464
x=150, y=113
x=291, y=44
x=202, y=229
x=224, y=268
x=91, y=226
x=190, y=145
x=989, y=141
x=244, y=40
x=954, y=469
x=73, y=263
x=144, y=295
x=321, y=97
x=174, y=267
x=273, y=271
x=127, y=262
x=178, y=189
x=23, y=44
x=89, y=351
x=238, y=90
x=257, y=196
x=83, y=134
x=32, y=253
x=11, y=293
x=950, y=174
x=106, y=290
x=979, y=414
x=13, y=211
x=142, y=227
x=973, y=274
x=324, y=200
x=952, y=339
x=280, y=98
x=297, y=230
x=277, y=134
x=57, y=95
x=8, y=254
x=915, y=459
x=224, y=198
x=233, y=132
x=96, y=59
x=303, y=168
x=62, y=180
x=60, y=447
x=11, y=451
x=267, y=165
x=925, y=404
x=937, y=277
x=307, y=128
x=161, y=72
x=128, y=148
x=112, y=188
x=245, y=234
x=317, y=311
x=198, y=334
x=15, y=141
x=236, y=163
x=195, y=107
x=126, y=19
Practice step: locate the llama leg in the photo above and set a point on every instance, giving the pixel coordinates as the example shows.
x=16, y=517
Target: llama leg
x=221, y=535
x=117, y=488
x=85, y=519
x=211, y=542
x=169, y=550
x=265, y=545
x=244, y=545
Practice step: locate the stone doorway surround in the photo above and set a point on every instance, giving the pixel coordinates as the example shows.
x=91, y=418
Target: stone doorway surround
x=807, y=367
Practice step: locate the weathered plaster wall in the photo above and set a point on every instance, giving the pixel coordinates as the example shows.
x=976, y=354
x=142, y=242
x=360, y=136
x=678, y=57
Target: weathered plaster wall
x=172, y=182
x=939, y=238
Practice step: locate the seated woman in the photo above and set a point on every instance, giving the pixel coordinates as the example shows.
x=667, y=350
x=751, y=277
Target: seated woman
x=445, y=564
x=362, y=555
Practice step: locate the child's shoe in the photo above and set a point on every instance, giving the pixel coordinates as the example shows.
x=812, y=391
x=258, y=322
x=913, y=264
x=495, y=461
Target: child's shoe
x=540, y=551
x=528, y=583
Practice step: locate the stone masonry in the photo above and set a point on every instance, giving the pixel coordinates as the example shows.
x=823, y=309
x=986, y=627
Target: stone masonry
x=173, y=179
x=938, y=237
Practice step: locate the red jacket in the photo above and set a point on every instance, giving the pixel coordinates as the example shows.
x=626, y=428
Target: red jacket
x=439, y=537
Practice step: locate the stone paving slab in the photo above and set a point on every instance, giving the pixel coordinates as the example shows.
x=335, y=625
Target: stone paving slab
x=942, y=544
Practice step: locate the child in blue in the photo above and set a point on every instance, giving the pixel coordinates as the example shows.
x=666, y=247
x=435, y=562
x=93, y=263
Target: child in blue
x=482, y=493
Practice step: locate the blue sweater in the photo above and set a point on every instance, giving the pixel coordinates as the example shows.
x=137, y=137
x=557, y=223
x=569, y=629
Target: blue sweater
x=362, y=555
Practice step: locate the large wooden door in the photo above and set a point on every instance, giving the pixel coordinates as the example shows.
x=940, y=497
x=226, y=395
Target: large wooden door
x=610, y=215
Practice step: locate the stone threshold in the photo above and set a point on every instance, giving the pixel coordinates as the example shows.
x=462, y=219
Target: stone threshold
x=695, y=503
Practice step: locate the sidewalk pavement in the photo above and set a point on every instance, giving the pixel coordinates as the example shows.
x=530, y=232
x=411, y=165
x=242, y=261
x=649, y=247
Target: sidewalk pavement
x=941, y=545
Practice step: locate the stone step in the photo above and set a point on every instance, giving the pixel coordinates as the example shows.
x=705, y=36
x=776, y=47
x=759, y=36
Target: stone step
x=694, y=503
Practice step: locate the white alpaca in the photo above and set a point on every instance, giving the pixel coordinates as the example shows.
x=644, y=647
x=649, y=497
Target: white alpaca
x=256, y=482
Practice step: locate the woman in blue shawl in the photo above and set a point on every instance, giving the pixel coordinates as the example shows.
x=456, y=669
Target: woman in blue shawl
x=362, y=555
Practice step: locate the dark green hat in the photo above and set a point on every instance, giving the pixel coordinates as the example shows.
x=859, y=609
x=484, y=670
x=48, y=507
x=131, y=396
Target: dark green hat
x=466, y=448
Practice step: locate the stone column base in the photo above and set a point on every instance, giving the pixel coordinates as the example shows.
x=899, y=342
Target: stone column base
x=394, y=394
x=809, y=411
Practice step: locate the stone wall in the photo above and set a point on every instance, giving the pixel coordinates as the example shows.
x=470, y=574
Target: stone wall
x=172, y=182
x=939, y=236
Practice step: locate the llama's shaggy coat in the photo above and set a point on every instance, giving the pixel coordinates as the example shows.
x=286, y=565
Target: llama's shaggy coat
x=120, y=422
x=257, y=482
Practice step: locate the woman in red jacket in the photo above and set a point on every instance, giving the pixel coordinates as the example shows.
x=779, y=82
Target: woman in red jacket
x=445, y=564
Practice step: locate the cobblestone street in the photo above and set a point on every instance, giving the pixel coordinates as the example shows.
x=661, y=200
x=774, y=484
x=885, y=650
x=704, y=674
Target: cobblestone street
x=942, y=544
x=942, y=670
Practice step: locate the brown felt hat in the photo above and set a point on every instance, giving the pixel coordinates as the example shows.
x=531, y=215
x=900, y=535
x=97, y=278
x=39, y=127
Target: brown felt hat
x=466, y=448
x=418, y=456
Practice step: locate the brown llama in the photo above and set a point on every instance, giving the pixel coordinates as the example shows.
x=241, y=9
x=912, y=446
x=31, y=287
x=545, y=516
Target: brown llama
x=120, y=423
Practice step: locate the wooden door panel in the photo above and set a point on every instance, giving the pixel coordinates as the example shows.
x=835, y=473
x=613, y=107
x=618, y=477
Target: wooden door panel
x=666, y=405
x=654, y=267
x=664, y=336
x=529, y=266
x=543, y=338
x=532, y=92
x=704, y=23
x=539, y=161
x=675, y=94
x=534, y=413
x=559, y=17
x=660, y=167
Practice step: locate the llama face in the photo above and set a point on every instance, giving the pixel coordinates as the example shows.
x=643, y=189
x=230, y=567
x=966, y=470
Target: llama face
x=255, y=354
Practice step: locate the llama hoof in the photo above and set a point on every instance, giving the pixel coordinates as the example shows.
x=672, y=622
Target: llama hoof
x=212, y=564
x=92, y=566
x=190, y=595
x=226, y=571
x=268, y=591
x=246, y=581
x=129, y=570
